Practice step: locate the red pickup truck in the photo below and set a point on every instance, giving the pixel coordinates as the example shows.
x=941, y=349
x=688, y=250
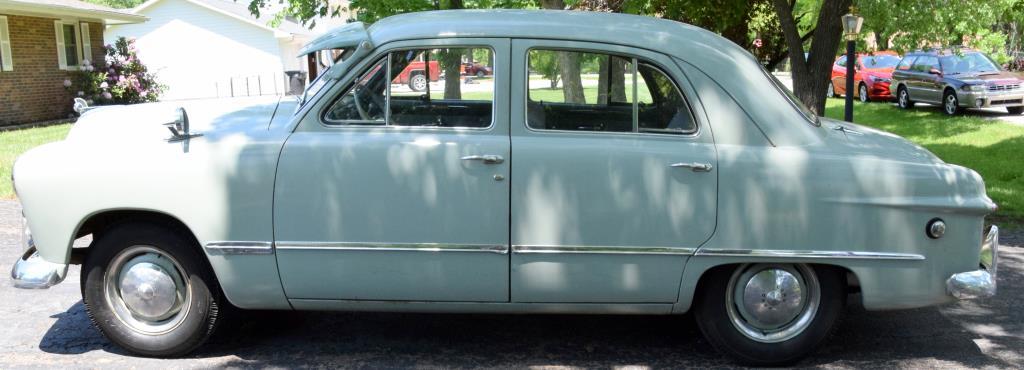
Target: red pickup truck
x=415, y=75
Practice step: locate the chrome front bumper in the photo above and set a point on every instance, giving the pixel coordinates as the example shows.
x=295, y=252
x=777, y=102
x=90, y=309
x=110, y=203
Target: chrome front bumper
x=979, y=283
x=31, y=271
x=984, y=99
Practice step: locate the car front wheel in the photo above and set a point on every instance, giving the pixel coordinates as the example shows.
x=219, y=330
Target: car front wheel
x=903, y=98
x=150, y=291
x=950, y=103
x=768, y=314
x=863, y=92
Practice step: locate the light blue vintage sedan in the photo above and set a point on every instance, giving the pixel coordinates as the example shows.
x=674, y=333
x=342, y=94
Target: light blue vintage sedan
x=614, y=164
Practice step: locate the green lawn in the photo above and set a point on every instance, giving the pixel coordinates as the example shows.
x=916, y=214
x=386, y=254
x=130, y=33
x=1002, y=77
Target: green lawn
x=13, y=143
x=991, y=147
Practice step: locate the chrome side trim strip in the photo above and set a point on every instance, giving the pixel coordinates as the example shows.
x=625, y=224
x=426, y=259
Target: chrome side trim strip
x=575, y=249
x=393, y=247
x=239, y=248
x=775, y=253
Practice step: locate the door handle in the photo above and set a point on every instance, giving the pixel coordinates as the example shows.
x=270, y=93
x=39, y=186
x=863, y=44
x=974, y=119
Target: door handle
x=486, y=158
x=696, y=167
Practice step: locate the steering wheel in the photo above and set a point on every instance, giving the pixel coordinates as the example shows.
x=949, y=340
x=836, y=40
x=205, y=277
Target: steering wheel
x=359, y=105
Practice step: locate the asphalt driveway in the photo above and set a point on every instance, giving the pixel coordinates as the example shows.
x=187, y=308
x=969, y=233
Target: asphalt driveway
x=50, y=329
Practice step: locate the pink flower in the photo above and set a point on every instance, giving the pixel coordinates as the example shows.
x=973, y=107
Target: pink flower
x=67, y=83
x=104, y=85
x=106, y=95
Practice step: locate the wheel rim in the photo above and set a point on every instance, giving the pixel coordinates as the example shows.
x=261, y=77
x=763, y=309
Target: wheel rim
x=903, y=98
x=863, y=93
x=951, y=103
x=771, y=303
x=831, y=91
x=147, y=290
x=419, y=82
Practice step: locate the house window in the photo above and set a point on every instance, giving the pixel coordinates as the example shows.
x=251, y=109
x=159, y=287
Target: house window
x=69, y=44
x=6, y=59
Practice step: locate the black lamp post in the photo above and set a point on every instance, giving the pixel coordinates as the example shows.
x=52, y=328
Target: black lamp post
x=851, y=28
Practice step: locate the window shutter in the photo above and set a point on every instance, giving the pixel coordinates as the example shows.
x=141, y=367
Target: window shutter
x=62, y=60
x=86, y=43
x=6, y=60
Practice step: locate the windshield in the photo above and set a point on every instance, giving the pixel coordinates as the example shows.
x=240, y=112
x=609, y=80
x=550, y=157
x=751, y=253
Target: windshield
x=880, y=61
x=329, y=58
x=967, y=63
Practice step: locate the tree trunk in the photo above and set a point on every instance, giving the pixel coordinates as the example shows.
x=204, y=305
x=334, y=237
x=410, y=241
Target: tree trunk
x=572, y=84
x=617, y=91
x=451, y=60
x=811, y=76
x=450, y=63
x=569, y=65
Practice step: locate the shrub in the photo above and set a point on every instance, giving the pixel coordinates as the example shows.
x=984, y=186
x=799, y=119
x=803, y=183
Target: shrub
x=122, y=79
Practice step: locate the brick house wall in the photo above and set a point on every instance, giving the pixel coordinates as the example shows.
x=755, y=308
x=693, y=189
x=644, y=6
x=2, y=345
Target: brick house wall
x=34, y=91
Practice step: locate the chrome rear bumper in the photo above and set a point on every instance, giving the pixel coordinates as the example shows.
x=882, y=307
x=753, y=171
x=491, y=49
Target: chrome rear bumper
x=979, y=283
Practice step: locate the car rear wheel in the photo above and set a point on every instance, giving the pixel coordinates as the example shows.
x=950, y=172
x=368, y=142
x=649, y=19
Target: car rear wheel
x=903, y=98
x=768, y=314
x=149, y=290
x=480, y=73
x=831, y=92
x=863, y=92
x=950, y=103
x=418, y=82
x=1015, y=110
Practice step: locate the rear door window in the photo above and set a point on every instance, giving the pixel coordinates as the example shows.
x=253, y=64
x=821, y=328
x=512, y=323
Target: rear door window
x=585, y=91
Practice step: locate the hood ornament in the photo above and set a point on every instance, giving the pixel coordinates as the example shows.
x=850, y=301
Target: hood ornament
x=81, y=106
x=179, y=127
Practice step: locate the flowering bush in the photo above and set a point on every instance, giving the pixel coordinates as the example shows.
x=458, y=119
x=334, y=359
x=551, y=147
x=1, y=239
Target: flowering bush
x=122, y=80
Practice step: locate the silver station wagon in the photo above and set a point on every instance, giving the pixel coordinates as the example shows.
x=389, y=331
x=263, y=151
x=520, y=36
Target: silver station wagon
x=613, y=164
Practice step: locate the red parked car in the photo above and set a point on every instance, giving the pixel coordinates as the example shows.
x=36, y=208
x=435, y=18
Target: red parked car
x=415, y=75
x=874, y=73
x=476, y=69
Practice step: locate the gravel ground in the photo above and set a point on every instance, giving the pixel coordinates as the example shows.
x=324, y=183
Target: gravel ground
x=49, y=329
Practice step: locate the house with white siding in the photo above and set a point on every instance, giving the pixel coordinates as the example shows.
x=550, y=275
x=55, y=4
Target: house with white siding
x=214, y=48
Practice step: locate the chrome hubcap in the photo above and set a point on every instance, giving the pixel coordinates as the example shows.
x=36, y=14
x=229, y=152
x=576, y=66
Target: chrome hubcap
x=863, y=94
x=772, y=303
x=950, y=104
x=146, y=289
x=420, y=82
x=903, y=98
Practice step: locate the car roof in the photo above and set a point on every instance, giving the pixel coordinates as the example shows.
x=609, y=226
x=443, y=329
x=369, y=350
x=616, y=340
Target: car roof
x=941, y=52
x=731, y=67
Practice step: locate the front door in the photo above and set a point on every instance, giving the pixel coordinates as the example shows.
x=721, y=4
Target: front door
x=614, y=183
x=388, y=191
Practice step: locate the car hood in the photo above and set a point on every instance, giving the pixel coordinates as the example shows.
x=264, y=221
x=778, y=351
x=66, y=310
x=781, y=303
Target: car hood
x=990, y=78
x=849, y=139
x=212, y=118
x=883, y=72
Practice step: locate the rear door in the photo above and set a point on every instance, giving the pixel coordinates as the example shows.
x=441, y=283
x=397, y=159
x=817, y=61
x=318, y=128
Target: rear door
x=613, y=183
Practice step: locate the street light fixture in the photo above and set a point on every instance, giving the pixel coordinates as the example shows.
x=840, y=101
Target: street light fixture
x=851, y=29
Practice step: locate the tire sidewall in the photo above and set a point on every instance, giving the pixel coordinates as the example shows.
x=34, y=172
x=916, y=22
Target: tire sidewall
x=714, y=322
x=862, y=90
x=903, y=98
x=945, y=108
x=198, y=323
